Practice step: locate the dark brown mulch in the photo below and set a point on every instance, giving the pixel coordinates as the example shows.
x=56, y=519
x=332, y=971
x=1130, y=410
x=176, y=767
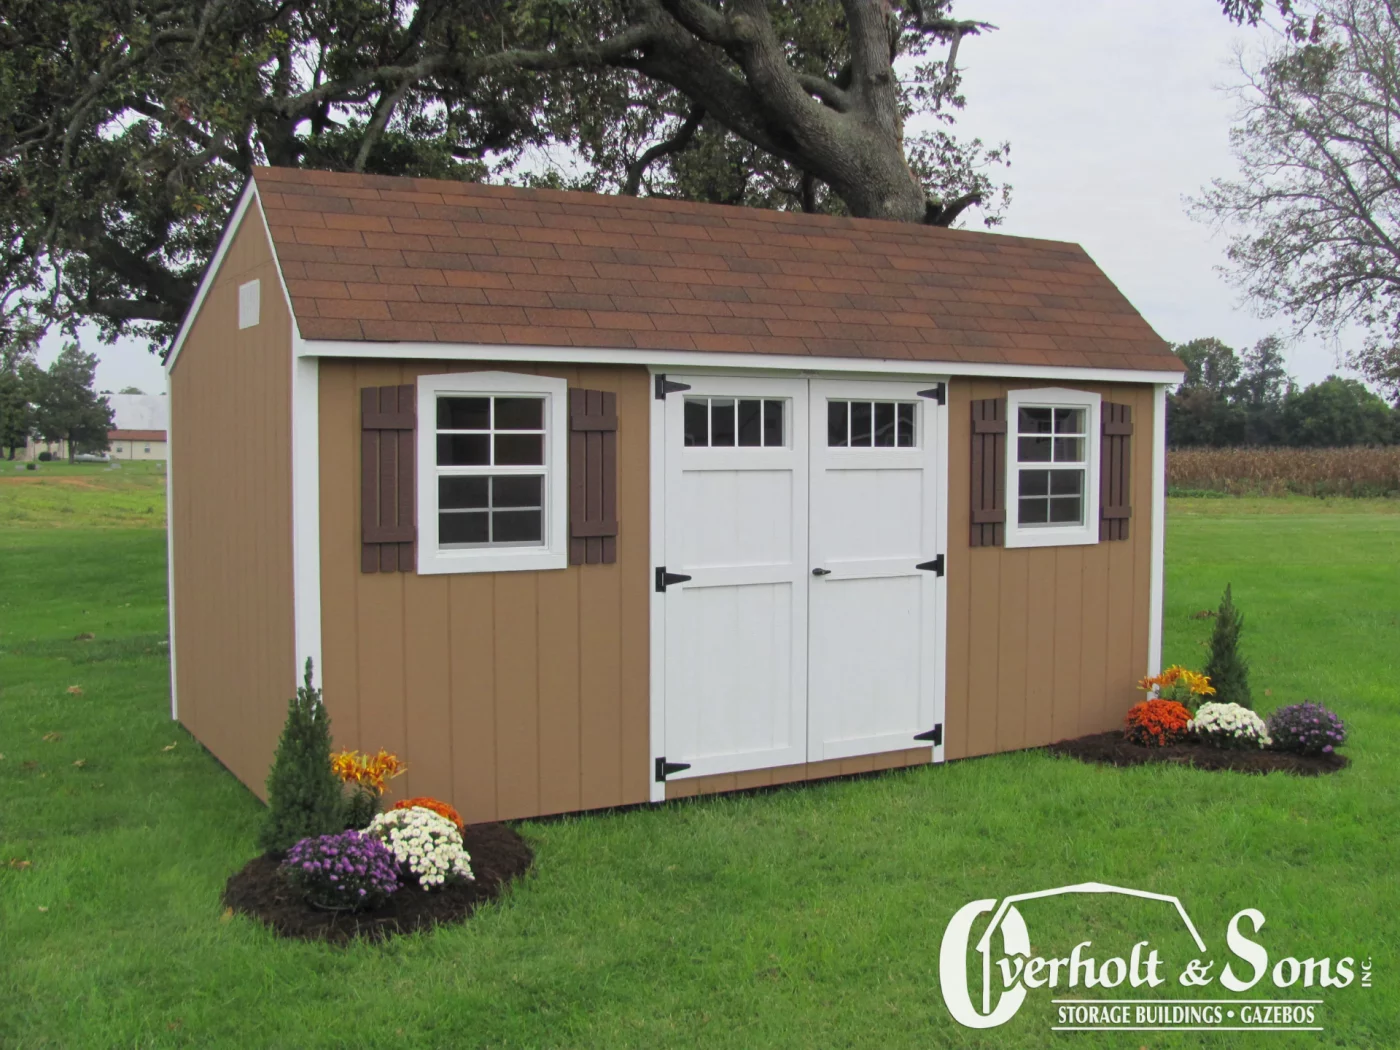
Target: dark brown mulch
x=498, y=855
x=1112, y=749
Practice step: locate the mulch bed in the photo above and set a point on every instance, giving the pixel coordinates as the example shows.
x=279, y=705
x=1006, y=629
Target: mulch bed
x=498, y=856
x=1112, y=749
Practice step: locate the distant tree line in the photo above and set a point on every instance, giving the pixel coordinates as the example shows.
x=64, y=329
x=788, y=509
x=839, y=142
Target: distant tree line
x=57, y=403
x=1230, y=399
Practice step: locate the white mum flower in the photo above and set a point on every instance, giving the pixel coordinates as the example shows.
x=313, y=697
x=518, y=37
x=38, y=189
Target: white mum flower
x=427, y=842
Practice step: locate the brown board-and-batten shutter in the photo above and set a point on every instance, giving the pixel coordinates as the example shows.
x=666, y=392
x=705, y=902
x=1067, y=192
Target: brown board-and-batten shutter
x=387, y=508
x=988, y=472
x=592, y=477
x=1115, y=458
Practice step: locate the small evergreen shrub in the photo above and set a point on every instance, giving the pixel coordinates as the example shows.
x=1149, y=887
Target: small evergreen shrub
x=45, y=457
x=1307, y=729
x=304, y=797
x=1229, y=725
x=348, y=871
x=1227, y=670
x=1156, y=723
x=31, y=466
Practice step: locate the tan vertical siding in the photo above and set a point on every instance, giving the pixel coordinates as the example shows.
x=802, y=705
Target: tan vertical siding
x=1049, y=642
x=508, y=694
x=231, y=515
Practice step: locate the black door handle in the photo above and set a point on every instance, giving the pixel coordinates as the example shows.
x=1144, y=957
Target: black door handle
x=821, y=572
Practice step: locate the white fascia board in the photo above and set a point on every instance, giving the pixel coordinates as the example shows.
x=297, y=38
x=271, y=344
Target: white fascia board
x=1156, y=578
x=693, y=360
x=211, y=271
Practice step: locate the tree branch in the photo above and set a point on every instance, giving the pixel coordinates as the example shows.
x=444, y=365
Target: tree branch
x=675, y=144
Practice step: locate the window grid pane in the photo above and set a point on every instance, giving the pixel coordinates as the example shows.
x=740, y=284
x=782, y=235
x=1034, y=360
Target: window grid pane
x=479, y=504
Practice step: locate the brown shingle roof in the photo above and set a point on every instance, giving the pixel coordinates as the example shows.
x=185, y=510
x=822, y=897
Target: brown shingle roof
x=371, y=257
x=136, y=435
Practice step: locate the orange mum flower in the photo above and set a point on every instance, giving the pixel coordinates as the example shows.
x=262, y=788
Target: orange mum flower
x=442, y=809
x=1156, y=723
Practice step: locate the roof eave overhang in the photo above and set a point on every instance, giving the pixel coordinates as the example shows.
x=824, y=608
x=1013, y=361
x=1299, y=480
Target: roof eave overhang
x=714, y=360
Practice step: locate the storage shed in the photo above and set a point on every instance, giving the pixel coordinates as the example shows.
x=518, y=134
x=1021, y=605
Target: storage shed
x=579, y=501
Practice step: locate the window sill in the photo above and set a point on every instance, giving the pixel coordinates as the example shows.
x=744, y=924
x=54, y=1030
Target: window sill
x=444, y=562
x=1034, y=537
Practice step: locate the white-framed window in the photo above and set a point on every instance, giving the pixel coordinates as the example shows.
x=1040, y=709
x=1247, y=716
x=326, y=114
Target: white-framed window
x=492, y=481
x=1052, y=467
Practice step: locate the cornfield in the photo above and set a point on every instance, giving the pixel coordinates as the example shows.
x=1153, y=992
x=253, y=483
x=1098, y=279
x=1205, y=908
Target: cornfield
x=1273, y=471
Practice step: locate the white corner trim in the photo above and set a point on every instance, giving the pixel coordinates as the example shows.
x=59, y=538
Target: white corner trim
x=554, y=552
x=211, y=271
x=940, y=595
x=657, y=482
x=306, y=512
x=1157, y=585
x=1054, y=536
x=170, y=555
x=722, y=363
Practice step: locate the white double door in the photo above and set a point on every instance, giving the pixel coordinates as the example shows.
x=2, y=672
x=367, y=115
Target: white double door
x=799, y=513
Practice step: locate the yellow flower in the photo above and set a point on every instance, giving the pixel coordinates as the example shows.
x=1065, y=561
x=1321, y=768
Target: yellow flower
x=370, y=771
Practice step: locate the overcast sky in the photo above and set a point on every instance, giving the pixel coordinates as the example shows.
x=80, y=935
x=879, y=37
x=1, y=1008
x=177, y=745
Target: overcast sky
x=1114, y=114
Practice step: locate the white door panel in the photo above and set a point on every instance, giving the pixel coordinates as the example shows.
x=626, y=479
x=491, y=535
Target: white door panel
x=736, y=631
x=764, y=663
x=873, y=622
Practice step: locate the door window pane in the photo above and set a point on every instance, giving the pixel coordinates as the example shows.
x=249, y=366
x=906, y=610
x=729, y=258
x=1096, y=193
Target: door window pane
x=726, y=422
x=750, y=423
x=697, y=422
x=904, y=426
x=861, y=419
x=773, y=423
x=838, y=421
x=721, y=422
x=884, y=424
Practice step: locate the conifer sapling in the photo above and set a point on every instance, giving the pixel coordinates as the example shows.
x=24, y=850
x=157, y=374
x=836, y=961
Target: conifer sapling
x=304, y=797
x=1226, y=668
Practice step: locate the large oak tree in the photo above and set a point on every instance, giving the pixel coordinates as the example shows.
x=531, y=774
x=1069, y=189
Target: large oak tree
x=128, y=126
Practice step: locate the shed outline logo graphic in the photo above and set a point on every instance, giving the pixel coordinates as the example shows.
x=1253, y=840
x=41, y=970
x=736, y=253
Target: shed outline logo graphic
x=1020, y=972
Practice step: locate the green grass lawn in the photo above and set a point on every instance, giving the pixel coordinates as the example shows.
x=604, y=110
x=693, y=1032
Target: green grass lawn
x=82, y=495
x=808, y=917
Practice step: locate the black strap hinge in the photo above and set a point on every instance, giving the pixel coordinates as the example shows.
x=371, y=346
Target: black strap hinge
x=665, y=386
x=938, y=392
x=934, y=736
x=935, y=566
x=665, y=769
x=664, y=579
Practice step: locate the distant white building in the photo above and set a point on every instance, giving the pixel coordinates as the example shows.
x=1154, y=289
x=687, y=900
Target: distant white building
x=139, y=426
